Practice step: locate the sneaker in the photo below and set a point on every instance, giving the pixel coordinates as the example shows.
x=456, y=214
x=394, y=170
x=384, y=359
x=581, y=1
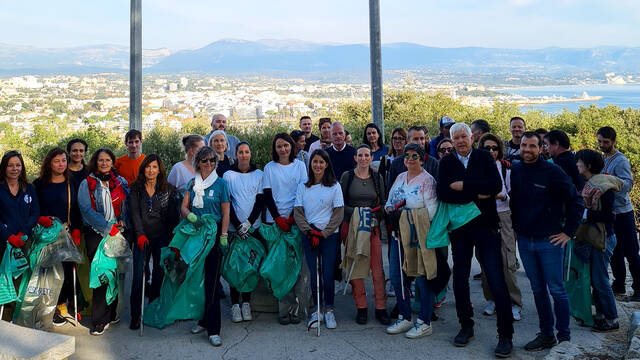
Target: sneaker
x=464, y=337
x=246, y=312
x=294, y=318
x=330, y=320
x=315, y=320
x=99, y=329
x=284, y=319
x=236, y=314
x=197, y=329
x=504, y=347
x=541, y=342
x=361, y=316
x=420, y=329
x=439, y=303
x=516, y=311
x=115, y=321
x=58, y=320
x=605, y=325
x=215, y=340
x=399, y=326
x=382, y=317
x=490, y=309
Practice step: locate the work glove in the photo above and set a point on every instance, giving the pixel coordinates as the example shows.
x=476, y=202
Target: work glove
x=243, y=229
x=176, y=251
x=283, y=224
x=400, y=205
x=17, y=241
x=224, y=240
x=291, y=221
x=142, y=242
x=192, y=217
x=114, y=230
x=75, y=236
x=45, y=221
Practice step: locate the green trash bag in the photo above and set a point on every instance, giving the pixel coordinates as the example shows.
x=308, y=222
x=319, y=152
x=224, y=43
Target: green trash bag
x=241, y=264
x=182, y=293
x=449, y=217
x=12, y=266
x=281, y=266
x=577, y=284
x=104, y=271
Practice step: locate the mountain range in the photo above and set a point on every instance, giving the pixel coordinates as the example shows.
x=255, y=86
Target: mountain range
x=230, y=56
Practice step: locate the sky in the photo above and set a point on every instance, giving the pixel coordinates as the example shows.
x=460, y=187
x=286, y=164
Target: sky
x=189, y=24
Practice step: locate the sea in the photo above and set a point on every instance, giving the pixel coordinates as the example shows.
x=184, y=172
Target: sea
x=623, y=96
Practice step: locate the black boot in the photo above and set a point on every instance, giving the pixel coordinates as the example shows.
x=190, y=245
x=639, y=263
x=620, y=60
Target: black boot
x=504, y=348
x=361, y=316
x=382, y=317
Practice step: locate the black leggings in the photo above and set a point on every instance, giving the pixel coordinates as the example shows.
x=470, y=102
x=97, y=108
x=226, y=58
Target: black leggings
x=101, y=313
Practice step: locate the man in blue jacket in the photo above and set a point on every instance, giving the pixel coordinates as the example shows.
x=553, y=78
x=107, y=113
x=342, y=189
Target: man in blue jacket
x=546, y=210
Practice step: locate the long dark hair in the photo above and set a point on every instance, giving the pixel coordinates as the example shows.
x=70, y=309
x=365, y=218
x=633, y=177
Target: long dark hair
x=274, y=153
x=77, y=140
x=495, y=138
x=93, y=163
x=328, y=178
x=45, y=170
x=22, y=179
x=161, y=180
x=380, y=143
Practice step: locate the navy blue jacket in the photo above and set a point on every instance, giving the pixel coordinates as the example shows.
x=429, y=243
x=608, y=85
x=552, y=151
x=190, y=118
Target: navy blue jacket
x=567, y=162
x=544, y=200
x=342, y=160
x=17, y=213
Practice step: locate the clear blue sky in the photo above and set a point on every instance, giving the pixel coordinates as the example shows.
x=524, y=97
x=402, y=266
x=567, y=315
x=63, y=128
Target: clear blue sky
x=195, y=23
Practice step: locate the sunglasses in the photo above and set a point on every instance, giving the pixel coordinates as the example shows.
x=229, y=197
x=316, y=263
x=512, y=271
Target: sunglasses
x=445, y=150
x=210, y=160
x=398, y=138
x=492, y=148
x=412, y=156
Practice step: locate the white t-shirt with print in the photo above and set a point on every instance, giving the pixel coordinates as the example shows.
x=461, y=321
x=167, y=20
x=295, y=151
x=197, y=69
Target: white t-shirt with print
x=243, y=188
x=318, y=202
x=283, y=181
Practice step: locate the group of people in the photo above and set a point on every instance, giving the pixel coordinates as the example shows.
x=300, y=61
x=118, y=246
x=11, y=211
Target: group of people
x=530, y=194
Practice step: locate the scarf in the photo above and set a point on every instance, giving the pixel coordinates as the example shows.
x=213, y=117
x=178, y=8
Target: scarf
x=200, y=185
x=598, y=185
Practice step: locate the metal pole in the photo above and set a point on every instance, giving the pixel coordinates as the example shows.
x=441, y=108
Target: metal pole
x=135, y=66
x=376, y=64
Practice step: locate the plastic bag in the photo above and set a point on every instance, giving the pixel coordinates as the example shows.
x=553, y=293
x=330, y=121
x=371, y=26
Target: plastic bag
x=577, y=284
x=241, y=264
x=447, y=218
x=39, y=297
x=284, y=259
x=104, y=271
x=117, y=247
x=182, y=293
x=62, y=249
x=12, y=266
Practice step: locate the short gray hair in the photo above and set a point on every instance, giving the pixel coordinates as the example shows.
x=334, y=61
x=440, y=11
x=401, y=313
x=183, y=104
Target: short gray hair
x=336, y=123
x=216, y=133
x=457, y=127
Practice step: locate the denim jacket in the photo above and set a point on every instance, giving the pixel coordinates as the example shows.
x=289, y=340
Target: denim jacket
x=95, y=217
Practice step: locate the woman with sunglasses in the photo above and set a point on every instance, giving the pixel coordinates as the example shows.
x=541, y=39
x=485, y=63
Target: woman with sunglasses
x=413, y=189
x=58, y=197
x=494, y=145
x=154, y=214
x=445, y=146
x=102, y=199
x=208, y=194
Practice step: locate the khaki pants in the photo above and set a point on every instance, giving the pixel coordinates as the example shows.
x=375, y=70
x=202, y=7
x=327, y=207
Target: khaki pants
x=509, y=261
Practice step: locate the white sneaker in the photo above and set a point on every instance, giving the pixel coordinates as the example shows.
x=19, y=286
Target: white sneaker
x=399, y=326
x=236, y=315
x=516, y=311
x=330, y=320
x=197, y=329
x=420, y=329
x=215, y=340
x=246, y=312
x=490, y=309
x=314, y=322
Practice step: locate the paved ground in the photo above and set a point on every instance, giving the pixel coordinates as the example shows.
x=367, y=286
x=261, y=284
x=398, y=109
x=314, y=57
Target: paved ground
x=264, y=338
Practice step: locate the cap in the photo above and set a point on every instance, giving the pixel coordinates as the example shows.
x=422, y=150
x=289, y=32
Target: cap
x=446, y=121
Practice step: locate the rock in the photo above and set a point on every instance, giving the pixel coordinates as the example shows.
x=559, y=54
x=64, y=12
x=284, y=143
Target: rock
x=634, y=349
x=17, y=342
x=566, y=350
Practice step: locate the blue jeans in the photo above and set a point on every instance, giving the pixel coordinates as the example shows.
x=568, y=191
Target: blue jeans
x=327, y=251
x=395, y=263
x=543, y=263
x=602, y=293
x=426, y=300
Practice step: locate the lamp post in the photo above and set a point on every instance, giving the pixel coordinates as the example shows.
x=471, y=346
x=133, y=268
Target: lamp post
x=376, y=64
x=135, y=66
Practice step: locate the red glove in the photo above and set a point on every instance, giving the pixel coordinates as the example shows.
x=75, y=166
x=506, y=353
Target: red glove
x=291, y=220
x=376, y=209
x=15, y=241
x=176, y=251
x=315, y=238
x=45, y=221
x=283, y=224
x=75, y=236
x=401, y=204
x=114, y=230
x=142, y=242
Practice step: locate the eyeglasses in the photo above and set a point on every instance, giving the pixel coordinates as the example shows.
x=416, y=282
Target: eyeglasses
x=412, y=156
x=445, y=150
x=398, y=138
x=210, y=160
x=492, y=148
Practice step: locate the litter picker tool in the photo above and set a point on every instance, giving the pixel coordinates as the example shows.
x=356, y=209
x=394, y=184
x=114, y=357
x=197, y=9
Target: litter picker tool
x=75, y=296
x=144, y=284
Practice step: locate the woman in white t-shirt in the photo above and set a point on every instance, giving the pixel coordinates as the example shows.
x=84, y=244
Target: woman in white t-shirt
x=181, y=173
x=319, y=209
x=244, y=181
x=281, y=178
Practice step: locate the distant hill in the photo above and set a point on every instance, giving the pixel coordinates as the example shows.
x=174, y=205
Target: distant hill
x=299, y=57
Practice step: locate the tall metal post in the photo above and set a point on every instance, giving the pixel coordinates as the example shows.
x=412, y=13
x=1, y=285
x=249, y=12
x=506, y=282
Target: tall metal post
x=376, y=64
x=135, y=66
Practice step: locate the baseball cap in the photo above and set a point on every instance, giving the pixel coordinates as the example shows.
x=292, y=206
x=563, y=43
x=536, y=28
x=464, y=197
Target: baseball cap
x=446, y=121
